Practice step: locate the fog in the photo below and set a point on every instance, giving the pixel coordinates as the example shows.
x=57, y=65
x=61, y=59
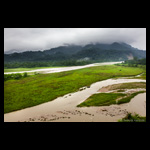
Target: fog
x=22, y=39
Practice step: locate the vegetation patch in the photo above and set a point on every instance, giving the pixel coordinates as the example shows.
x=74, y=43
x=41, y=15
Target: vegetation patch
x=37, y=89
x=129, y=97
x=16, y=76
x=120, y=90
x=122, y=86
x=143, y=76
x=106, y=99
x=140, y=63
x=133, y=118
x=101, y=99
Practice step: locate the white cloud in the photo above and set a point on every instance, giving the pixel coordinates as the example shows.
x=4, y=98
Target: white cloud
x=45, y=38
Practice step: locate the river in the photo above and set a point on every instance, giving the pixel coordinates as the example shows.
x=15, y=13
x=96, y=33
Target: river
x=63, y=109
x=61, y=69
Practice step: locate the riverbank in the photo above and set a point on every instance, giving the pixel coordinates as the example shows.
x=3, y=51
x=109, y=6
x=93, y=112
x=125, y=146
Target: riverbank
x=63, y=109
x=41, y=88
x=45, y=70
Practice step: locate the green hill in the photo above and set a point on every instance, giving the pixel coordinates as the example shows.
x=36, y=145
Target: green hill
x=76, y=55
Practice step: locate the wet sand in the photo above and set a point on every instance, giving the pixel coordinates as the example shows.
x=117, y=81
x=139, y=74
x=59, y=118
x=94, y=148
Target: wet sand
x=63, y=109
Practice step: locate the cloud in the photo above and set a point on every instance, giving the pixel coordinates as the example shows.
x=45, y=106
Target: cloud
x=45, y=38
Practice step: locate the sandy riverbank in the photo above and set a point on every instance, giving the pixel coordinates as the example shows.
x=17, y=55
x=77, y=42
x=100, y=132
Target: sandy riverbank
x=61, y=69
x=63, y=109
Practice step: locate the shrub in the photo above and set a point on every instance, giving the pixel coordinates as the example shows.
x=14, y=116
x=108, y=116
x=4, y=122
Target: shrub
x=16, y=76
x=133, y=118
x=25, y=74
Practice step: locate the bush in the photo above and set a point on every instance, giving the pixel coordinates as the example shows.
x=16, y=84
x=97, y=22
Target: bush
x=133, y=118
x=36, y=73
x=25, y=74
x=16, y=76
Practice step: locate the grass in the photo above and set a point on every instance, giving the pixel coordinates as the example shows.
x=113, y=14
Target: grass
x=101, y=99
x=132, y=85
x=133, y=118
x=106, y=99
x=34, y=90
x=129, y=97
x=143, y=76
x=120, y=90
x=16, y=76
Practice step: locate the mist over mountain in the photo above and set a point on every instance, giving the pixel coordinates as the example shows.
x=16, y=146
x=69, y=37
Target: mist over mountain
x=102, y=52
x=25, y=39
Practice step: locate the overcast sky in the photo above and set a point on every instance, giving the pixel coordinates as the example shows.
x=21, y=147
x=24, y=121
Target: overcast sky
x=23, y=39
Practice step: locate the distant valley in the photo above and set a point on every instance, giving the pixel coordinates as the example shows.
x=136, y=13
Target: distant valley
x=74, y=55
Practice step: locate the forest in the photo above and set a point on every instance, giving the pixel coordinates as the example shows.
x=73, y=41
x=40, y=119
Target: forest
x=32, y=64
x=136, y=61
x=73, y=55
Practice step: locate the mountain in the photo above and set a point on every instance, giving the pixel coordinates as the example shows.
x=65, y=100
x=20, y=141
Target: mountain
x=11, y=51
x=69, y=50
x=94, y=52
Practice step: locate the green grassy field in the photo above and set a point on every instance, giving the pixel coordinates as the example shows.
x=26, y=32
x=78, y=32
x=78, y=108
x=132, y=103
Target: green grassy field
x=34, y=90
x=129, y=97
x=106, y=99
x=143, y=76
x=101, y=99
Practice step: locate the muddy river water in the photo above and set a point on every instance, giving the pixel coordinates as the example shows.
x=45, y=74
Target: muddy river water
x=63, y=109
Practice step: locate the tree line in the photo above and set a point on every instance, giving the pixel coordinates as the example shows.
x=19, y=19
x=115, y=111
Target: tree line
x=15, y=76
x=34, y=64
x=135, y=62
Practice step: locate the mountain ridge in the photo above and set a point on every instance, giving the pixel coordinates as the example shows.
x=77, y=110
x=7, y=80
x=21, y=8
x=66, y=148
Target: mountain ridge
x=98, y=51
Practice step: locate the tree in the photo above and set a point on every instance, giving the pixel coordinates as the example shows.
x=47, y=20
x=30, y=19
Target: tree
x=135, y=58
x=25, y=74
